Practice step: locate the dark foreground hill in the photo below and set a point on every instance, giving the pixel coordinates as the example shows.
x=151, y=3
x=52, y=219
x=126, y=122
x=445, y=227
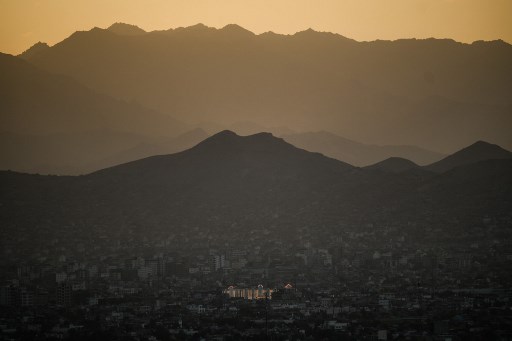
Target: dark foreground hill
x=230, y=184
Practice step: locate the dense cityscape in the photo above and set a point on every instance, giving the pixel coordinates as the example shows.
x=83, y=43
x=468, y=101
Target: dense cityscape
x=400, y=280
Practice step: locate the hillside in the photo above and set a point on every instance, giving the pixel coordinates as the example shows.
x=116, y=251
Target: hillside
x=234, y=184
x=53, y=124
x=476, y=152
x=355, y=153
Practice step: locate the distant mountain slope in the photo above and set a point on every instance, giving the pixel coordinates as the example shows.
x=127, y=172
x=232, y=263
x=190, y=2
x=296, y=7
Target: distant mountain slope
x=34, y=49
x=36, y=102
x=82, y=153
x=478, y=151
x=51, y=123
x=381, y=92
x=126, y=29
x=355, y=153
x=167, y=145
x=63, y=153
x=394, y=164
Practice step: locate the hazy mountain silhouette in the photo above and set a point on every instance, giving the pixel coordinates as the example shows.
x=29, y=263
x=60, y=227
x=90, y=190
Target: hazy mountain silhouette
x=231, y=182
x=250, y=128
x=53, y=124
x=82, y=153
x=355, y=153
x=166, y=145
x=386, y=92
x=63, y=153
x=227, y=148
x=126, y=29
x=478, y=151
x=36, y=102
x=34, y=49
x=394, y=164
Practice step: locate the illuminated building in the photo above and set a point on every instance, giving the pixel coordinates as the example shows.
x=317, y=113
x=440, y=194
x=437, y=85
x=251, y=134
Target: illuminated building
x=249, y=293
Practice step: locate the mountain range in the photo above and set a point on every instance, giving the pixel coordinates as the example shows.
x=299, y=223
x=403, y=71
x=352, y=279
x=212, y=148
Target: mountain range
x=478, y=151
x=436, y=94
x=231, y=183
x=108, y=96
x=37, y=102
x=355, y=153
x=53, y=125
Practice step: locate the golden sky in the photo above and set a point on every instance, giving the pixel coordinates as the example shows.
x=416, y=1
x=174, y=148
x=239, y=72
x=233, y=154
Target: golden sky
x=25, y=22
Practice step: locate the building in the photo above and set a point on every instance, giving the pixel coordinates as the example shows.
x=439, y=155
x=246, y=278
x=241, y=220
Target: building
x=63, y=294
x=217, y=262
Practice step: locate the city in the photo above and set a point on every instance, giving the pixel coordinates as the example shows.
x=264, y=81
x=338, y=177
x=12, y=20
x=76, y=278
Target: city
x=377, y=283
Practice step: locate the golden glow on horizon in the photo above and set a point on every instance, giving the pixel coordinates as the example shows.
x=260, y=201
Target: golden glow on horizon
x=25, y=22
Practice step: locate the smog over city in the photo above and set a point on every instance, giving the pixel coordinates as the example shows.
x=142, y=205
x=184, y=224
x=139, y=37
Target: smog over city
x=255, y=170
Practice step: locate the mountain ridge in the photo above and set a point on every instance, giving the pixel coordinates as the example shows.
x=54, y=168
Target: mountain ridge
x=136, y=28
x=476, y=152
x=125, y=29
x=44, y=116
x=394, y=164
x=356, y=153
x=378, y=92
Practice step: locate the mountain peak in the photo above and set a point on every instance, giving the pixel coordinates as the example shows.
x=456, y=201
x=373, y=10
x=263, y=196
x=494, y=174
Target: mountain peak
x=125, y=29
x=478, y=151
x=498, y=42
x=228, y=140
x=312, y=34
x=308, y=32
x=229, y=136
x=34, y=49
x=226, y=133
x=394, y=164
x=200, y=27
x=484, y=147
x=482, y=143
x=236, y=29
x=270, y=34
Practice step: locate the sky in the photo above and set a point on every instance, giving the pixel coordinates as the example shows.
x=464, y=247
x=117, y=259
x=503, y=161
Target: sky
x=25, y=22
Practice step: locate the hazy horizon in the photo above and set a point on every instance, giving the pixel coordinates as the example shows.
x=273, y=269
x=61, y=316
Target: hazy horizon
x=257, y=34
x=25, y=23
